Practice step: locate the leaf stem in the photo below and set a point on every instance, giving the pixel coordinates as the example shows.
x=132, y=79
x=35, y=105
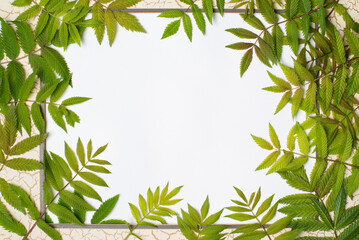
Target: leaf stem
x=25, y=56
x=293, y=18
x=263, y=227
x=325, y=159
x=52, y=200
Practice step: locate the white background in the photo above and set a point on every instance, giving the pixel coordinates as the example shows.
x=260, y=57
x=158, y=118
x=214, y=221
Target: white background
x=174, y=111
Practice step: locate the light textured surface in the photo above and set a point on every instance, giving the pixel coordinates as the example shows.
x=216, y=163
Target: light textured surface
x=31, y=181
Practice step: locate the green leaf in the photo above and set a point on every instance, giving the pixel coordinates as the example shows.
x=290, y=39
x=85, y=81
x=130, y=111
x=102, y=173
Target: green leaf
x=323, y=213
x=16, y=76
x=10, y=196
x=71, y=158
x=303, y=140
x=41, y=23
x=220, y=6
x=208, y=9
x=99, y=151
x=346, y=147
x=291, y=235
x=321, y=15
x=253, y=21
x=46, y=91
x=63, y=167
x=274, y=137
x=57, y=116
x=241, y=217
x=64, y=213
x=135, y=212
x=264, y=206
x=104, y=210
x=98, y=14
x=340, y=83
x=27, y=144
x=267, y=11
x=269, y=160
x=27, y=202
x=80, y=150
x=242, y=33
x=349, y=216
x=302, y=71
x=247, y=228
x=262, y=143
x=279, y=225
x=75, y=201
x=310, y=98
x=296, y=181
x=10, y=43
x=23, y=164
x=56, y=60
x=46, y=228
x=278, y=38
x=240, y=46
x=187, y=25
x=351, y=232
x=27, y=86
x=129, y=22
x=64, y=34
x=205, y=208
x=283, y=102
x=270, y=214
x=37, y=117
x=255, y=235
x=292, y=35
x=92, y=178
x=10, y=224
x=353, y=42
x=291, y=8
x=185, y=229
x=25, y=36
x=111, y=26
x=171, y=29
x=85, y=190
x=212, y=218
x=23, y=115
x=339, y=207
x=321, y=141
x=172, y=14
x=291, y=75
x=246, y=61
x=199, y=18
x=74, y=100
x=29, y=13
x=21, y=3
x=338, y=48
x=10, y=128
x=121, y=4
x=297, y=100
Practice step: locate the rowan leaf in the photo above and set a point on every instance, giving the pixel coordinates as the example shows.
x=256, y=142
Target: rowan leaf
x=171, y=29
x=63, y=213
x=75, y=201
x=37, y=117
x=85, y=190
x=262, y=143
x=92, y=178
x=246, y=61
x=104, y=210
x=187, y=25
x=128, y=21
x=199, y=18
x=46, y=228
